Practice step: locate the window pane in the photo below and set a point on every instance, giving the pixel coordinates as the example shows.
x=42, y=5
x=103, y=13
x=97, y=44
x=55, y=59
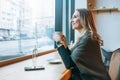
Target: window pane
x=24, y=26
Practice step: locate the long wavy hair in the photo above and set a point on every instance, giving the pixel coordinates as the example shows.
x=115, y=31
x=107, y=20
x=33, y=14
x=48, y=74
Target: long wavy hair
x=87, y=22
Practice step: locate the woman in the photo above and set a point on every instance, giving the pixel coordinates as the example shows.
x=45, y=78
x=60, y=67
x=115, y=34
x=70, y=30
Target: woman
x=84, y=58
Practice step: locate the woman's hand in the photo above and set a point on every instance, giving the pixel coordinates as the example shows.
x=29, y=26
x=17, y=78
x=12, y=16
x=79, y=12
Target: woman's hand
x=63, y=41
x=59, y=37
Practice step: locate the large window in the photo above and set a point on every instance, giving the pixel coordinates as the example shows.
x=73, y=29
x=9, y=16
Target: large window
x=24, y=26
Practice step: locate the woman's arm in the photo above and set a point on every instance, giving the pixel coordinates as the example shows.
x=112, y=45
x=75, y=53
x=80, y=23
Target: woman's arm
x=65, y=55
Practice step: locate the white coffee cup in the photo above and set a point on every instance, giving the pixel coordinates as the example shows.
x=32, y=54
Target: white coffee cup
x=57, y=36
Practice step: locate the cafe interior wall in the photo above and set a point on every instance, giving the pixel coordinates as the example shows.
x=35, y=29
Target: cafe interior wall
x=108, y=24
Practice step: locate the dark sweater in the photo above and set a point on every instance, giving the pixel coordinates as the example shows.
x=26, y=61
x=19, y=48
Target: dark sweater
x=84, y=59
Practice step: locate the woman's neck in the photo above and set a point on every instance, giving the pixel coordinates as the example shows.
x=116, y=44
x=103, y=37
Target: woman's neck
x=82, y=31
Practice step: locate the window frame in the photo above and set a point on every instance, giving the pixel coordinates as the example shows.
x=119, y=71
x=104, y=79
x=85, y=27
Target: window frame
x=60, y=16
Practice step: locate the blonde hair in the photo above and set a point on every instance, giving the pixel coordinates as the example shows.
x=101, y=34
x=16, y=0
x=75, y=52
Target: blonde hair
x=87, y=22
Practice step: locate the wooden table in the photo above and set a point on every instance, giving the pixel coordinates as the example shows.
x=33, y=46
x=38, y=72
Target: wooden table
x=16, y=71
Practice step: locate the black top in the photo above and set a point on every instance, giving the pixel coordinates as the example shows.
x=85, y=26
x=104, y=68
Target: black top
x=84, y=59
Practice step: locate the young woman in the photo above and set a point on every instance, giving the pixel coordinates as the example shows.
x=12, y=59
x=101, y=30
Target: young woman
x=84, y=58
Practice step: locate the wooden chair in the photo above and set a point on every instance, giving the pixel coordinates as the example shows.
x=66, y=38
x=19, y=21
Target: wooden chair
x=114, y=68
x=66, y=75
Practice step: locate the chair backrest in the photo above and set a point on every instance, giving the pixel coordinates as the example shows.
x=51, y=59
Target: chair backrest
x=114, y=68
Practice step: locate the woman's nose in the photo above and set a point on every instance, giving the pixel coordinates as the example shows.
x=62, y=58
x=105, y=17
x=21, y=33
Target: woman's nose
x=71, y=20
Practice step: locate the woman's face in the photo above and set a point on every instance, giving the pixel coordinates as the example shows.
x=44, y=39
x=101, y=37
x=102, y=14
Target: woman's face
x=75, y=21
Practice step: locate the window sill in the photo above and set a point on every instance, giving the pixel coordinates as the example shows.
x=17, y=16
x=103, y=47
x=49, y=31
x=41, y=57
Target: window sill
x=14, y=60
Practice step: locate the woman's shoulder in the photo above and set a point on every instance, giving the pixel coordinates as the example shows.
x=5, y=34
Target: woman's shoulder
x=86, y=36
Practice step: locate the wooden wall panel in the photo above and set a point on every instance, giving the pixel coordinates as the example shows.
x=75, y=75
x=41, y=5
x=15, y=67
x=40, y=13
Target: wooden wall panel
x=91, y=4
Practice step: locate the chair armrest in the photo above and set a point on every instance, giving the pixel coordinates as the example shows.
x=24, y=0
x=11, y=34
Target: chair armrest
x=66, y=74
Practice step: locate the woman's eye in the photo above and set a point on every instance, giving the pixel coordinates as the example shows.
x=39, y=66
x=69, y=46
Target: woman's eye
x=74, y=17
